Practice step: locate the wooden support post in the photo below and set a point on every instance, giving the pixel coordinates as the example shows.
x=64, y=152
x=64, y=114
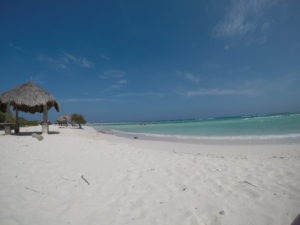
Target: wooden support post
x=7, y=128
x=17, y=128
x=7, y=112
x=45, y=128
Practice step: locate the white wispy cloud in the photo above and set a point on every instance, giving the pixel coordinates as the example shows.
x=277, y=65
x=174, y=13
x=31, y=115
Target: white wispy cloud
x=64, y=60
x=189, y=76
x=80, y=61
x=103, y=56
x=112, y=74
x=83, y=100
x=60, y=63
x=217, y=91
x=16, y=47
x=122, y=82
x=226, y=47
x=117, y=84
x=140, y=94
x=245, y=17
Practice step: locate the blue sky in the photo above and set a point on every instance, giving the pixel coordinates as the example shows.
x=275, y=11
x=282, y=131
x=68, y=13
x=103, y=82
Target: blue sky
x=151, y=60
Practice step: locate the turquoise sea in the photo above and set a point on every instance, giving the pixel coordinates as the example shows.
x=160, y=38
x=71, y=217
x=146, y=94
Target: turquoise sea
x=286, y=125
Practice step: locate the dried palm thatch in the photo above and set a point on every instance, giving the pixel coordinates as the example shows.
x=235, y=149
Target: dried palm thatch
x=28, y=97
x=65, y=118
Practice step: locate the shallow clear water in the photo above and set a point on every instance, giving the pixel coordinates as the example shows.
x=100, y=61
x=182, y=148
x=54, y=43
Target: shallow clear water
x=267, y=125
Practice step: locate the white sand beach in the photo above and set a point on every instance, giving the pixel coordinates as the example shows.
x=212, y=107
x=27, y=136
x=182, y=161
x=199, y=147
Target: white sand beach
x=84, y=177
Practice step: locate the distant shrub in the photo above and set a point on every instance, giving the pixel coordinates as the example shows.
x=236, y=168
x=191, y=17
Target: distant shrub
x=79, y=119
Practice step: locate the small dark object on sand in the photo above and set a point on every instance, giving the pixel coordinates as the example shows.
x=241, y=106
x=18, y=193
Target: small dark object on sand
x=85, y=180
x=222, y=212
x=247, y=182
x=135, y=137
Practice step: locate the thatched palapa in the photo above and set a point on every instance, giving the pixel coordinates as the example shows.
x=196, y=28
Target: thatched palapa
x=28, y=97
x=65, y=118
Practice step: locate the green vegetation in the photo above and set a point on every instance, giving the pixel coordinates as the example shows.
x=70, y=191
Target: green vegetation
x=11, y=117
x=2, y=117
x=79, y=119
x=23, y=122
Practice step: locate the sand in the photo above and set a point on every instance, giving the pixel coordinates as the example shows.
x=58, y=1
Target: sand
x=85, y=177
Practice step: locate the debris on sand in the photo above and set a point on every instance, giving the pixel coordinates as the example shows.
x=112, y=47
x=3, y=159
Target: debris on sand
x=85, y=180
x=37, y=136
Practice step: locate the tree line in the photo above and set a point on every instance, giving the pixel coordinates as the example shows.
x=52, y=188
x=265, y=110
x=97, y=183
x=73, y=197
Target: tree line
x=75, y=118
x=22, y=121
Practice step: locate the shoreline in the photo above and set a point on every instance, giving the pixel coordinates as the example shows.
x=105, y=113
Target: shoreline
x=228, y=140
x=259, y=129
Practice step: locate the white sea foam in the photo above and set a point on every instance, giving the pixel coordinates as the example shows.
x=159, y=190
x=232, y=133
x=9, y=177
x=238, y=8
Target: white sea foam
x=267, y=117
x=241, y=137
x=187, y=137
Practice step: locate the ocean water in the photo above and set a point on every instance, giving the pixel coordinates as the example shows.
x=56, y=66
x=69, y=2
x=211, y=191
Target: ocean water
x=285, y=125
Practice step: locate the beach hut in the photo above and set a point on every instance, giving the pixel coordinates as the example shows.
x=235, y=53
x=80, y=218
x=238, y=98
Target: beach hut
x=27, y=97
x=64, y=120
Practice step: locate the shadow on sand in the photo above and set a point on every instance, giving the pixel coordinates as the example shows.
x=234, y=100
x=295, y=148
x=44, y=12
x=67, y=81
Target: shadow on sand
x=27, y=133
x=296, y=220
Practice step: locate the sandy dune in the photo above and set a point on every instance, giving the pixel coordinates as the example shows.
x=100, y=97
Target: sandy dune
x=84, y=177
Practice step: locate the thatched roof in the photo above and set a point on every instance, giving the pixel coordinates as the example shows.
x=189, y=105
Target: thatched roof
x=65, y=118
x=28, y=97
